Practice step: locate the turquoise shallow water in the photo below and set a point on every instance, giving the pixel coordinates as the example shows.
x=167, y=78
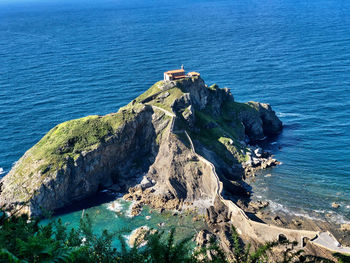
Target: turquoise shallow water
x=67, y=59
x=115, y=216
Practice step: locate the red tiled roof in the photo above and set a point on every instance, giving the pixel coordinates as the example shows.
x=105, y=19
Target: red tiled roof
x=179, y=77
x=175, y=71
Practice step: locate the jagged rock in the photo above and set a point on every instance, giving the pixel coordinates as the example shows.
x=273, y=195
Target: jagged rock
x=77, y=158
x=211, y=215
x=182, y=102
x=258, y=152
x=203, y=238
x=145, y=183
x=136, y=209
x=335, y=205
x=278, y=220
x=164, y=95
x=297, y=222
x=258, y=205
x=137, y=236
x=345, y=227
x=271, y=124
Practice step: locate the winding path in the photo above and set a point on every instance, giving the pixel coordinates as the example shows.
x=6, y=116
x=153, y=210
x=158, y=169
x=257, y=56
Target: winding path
x=266, y=232
x=261, y=231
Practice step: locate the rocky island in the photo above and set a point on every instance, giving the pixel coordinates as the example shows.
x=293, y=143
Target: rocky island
x=180, y=144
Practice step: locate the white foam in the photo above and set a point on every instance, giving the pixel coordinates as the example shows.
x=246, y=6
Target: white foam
x=1, y=170
x=288, y=114
x=278, y=207
x=128, y=212
x=339, y=219
x=320, y=214
x=127, y=237
x=319, y=211
x=115, y=206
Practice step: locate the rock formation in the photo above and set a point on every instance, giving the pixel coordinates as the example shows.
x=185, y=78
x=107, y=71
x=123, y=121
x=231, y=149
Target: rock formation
x=145, y=142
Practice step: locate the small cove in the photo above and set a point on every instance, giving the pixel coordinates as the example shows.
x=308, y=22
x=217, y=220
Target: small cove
x=111, y=212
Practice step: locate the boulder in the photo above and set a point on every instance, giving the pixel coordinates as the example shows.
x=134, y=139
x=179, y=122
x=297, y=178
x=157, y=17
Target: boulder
x=145, y=183
x=137, y=236
x=203, y=238
x=335, y=205
x=258, y=205
x=345, y=227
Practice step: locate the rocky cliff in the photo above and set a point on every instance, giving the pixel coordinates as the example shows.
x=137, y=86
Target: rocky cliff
x=144, y=140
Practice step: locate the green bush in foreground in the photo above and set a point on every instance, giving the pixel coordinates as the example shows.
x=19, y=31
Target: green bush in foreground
x=24, y=240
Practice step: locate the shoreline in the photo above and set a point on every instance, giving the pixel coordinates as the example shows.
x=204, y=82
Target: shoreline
x=302, y=222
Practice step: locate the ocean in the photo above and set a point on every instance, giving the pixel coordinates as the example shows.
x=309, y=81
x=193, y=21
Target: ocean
x=61, y=60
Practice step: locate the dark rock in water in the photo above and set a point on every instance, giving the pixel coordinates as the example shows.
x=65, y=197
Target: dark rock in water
x=271, y=123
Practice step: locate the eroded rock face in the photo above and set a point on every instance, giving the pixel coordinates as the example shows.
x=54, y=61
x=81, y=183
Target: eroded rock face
x=80, y=157
x=180, y=177
x=272, y=125
x=113, y=161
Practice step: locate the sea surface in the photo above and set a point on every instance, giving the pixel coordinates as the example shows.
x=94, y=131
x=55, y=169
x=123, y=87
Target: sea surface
x=61, y=60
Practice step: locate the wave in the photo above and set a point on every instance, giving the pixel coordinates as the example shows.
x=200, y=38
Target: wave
x=288, y=114
x=278, y=207
x=128, y=212
x=320, y=215
x=115, y=206
x=1, y=171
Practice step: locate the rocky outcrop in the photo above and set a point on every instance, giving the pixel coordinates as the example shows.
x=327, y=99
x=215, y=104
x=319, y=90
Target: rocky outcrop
x=144, y=143
x=271, y=124
x=138, y=236
x=180, y=179
x=118, y=158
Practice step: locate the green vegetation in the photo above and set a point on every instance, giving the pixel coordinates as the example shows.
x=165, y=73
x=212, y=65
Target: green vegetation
x=151, y=91
x=221, y=134
x=166, y=103
x=213, y=87
x=69, y=139
x=24, y=241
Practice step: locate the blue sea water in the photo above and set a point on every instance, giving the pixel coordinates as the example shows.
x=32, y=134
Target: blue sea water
x=67, y=59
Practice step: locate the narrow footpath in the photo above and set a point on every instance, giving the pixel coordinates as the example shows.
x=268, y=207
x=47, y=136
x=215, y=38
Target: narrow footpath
x=261, y=231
